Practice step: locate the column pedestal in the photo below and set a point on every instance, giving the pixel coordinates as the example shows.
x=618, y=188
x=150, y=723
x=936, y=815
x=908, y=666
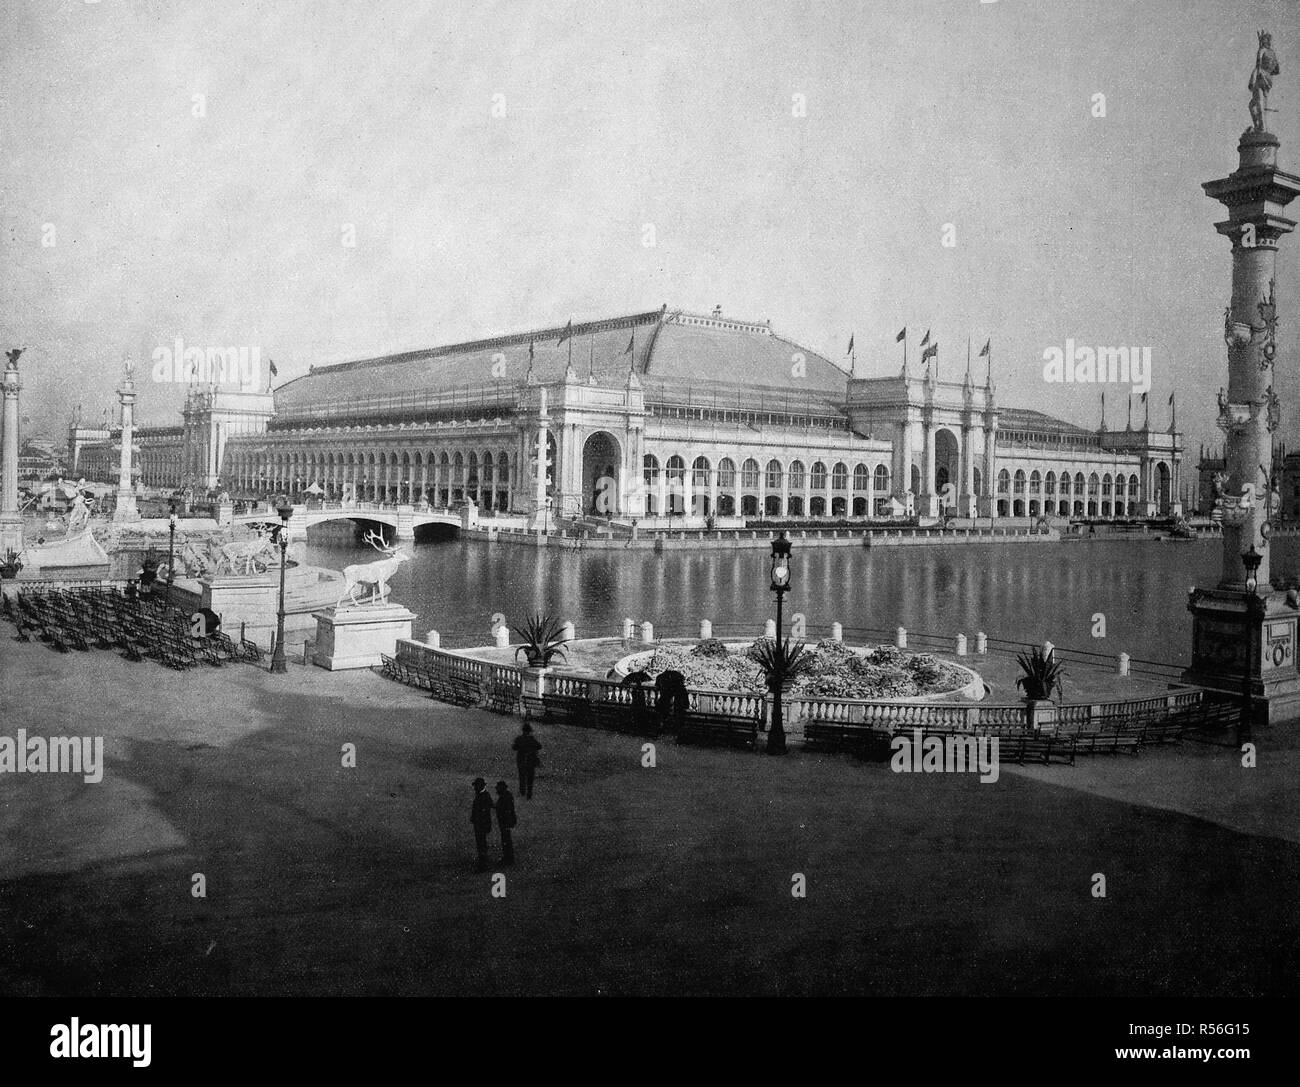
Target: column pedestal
x=1243, y=641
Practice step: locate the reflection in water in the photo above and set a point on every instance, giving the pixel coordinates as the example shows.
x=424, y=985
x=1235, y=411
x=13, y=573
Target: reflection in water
x=1024, y=592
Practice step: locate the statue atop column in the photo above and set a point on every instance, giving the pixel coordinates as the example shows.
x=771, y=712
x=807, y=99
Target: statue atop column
x=12, y=356
x=1261, y=81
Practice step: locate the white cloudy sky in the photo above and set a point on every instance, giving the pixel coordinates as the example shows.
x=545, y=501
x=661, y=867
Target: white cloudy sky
x=227, y=228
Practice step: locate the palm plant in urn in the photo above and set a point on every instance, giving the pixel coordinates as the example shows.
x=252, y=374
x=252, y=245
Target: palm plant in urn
x=543, y=641
x=1042, y=674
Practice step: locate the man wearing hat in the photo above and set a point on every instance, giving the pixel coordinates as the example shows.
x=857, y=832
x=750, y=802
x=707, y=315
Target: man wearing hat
x=480, y=817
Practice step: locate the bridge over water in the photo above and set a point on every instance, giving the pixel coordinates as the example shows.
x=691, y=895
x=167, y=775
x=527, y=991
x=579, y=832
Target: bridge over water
x=405, y=519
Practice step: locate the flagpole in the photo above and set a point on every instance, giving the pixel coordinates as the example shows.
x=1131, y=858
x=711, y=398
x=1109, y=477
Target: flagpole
x=904, y=352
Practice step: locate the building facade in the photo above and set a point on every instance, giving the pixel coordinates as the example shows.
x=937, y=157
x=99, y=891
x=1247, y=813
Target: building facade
x=651, y=415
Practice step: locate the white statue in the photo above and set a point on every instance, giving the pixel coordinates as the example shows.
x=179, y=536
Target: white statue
x=373, y=575
x=79, y=517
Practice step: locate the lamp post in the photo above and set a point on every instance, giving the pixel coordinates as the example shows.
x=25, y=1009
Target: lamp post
x=1250, y=559
x=279, y=665
x=171, y=547
x=780, y=586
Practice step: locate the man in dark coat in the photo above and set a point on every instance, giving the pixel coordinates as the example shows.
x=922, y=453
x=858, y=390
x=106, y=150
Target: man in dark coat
x=526, y=747
x=480, y=816
x=506, y=821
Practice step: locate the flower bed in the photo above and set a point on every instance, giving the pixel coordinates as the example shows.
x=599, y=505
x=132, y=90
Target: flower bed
x=834, y=670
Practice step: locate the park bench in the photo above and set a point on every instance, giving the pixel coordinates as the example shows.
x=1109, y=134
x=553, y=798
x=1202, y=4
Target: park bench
x=718, y=729
x=500, y=696
x=565, y=709
x=623, y=717
x=857, y=739
x=1106, y=743
x=454, y=689
x=1044, y=749
x=1210, y=715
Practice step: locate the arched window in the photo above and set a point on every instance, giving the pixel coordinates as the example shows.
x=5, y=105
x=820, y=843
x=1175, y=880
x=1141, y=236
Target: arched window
x=749, y=474
x=675, y=470
x=1020, y=481
x=797, y=478
x=1004, y=481
x=1051, y=483
x=773, y=476
x=819, y=476
x=650, y=470
x=1079, y=483
x=726, y=473
x=1106, y=484
x=882, y=478
x=840, y=477
x=861, y=478
x=700, y=474
x=1093, y=483
x=1035, y=482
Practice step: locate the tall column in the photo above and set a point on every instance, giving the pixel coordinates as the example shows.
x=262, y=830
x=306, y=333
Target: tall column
x=11, y=520
x=927, y=482
x=1255, y=196
x=990, y=465
x=966, y=487
x=125, y=509
x=1244, y=635
x=902, y=461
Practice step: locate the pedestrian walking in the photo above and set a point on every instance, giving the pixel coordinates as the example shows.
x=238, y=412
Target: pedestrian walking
x=480, y=816
x=526, y=747
x=506, y=822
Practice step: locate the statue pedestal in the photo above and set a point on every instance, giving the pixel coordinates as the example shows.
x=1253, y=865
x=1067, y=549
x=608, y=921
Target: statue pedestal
x=355, y=637
x=124, y=508
x=250, y=599
x=11, y=533
x=1246, y=642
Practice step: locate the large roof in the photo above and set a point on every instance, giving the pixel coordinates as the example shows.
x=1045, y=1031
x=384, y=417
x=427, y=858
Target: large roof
x=1026, y=419
x=669, y=348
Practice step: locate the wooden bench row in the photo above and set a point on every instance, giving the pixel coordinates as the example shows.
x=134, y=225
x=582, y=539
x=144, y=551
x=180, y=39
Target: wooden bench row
x=442, y=686
x=630, y=719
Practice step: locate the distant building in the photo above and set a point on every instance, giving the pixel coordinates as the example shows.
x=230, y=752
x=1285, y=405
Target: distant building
x=652, y=414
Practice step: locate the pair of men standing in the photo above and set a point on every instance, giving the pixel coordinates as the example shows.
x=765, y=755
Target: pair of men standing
x=480, y=817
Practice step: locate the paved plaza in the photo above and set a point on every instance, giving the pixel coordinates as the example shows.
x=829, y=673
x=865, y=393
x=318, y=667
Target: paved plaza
x=326, y=880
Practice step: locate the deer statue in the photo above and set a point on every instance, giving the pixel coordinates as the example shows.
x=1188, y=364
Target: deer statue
x=373, y=575
x=246, y=552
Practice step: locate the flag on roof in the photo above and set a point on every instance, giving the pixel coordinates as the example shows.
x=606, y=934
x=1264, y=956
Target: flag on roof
x=902, y=335
x=930, y=351
x=568, y=331
x=987, y=345
x=926, y=338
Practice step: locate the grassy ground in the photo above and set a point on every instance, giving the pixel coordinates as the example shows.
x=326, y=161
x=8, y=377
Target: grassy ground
x=325, y=880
